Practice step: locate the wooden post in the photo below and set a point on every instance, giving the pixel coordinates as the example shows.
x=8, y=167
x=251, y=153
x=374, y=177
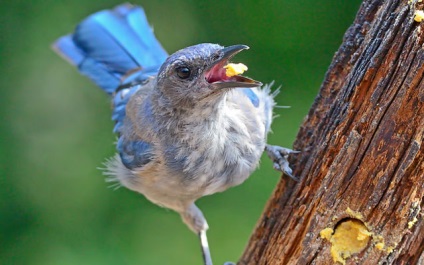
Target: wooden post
x=360, y=197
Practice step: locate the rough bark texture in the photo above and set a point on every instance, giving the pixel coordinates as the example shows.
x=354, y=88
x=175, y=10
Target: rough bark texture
x=362, y=150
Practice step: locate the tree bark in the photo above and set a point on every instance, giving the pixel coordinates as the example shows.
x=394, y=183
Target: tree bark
x=362, y=154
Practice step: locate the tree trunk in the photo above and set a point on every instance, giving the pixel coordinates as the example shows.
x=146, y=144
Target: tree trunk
x=361, y=164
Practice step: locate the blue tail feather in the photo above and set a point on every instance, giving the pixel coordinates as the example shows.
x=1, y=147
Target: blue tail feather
x=110, y=43
x=66, y=48
x=102, y=44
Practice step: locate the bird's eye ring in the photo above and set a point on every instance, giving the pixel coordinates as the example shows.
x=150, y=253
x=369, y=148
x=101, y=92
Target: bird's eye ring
x=183, y=72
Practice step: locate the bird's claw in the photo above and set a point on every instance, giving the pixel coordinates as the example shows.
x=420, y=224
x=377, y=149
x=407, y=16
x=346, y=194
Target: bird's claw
x=279, y=156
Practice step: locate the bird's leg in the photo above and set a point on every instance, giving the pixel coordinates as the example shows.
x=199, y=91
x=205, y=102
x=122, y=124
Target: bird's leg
x=279, y=156
x=207, y=259
x=195, y=220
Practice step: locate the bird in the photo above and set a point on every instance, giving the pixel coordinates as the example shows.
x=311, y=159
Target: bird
x=186, y=127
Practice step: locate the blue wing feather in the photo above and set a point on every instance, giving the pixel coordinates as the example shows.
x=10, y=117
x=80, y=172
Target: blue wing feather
x=120, y=101
x=252, y=96
x=134, y=154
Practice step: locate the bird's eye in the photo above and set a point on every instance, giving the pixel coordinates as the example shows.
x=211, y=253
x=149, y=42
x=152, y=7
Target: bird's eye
x=183, y=72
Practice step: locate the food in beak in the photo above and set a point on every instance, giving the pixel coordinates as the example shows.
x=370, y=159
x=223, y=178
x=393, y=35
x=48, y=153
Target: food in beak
x=233, y=69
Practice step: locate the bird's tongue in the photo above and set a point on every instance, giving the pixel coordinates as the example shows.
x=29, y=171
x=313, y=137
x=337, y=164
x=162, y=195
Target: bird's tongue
x=217, y=73
x=226, y=72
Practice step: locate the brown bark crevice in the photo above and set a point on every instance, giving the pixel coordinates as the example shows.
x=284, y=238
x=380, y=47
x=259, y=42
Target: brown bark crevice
x=362, y=150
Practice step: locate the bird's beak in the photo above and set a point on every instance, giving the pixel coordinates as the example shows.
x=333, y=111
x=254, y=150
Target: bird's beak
x=218, y=76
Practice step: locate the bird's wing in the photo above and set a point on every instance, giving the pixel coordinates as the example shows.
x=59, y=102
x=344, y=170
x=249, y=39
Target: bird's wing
x=134, y=151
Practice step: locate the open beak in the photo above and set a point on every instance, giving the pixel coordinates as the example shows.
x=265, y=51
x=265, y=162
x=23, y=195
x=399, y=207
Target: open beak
x=217, y=76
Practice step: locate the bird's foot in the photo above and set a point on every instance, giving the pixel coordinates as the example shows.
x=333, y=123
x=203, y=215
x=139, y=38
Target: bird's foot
x=229, y=263
x=279, y=156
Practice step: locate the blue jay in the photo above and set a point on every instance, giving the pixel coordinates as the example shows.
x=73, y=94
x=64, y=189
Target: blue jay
x=186, y=129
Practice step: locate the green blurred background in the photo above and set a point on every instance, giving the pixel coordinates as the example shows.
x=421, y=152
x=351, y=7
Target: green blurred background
x=55, y=207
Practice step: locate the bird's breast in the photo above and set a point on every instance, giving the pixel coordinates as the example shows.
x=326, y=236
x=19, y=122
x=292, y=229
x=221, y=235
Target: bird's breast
x=212, y=160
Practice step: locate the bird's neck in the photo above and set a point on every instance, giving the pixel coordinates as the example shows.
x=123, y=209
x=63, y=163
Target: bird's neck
x=190, y=111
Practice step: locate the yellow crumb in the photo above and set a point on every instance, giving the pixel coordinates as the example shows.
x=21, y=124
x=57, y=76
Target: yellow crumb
x=350, y=237
x=412, y=223
x=326, y=233
x=354, y=214
x=418, y=15
x=380, y=246
x=235, y=69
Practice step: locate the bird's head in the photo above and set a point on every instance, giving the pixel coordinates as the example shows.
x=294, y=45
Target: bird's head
x=197, y=72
